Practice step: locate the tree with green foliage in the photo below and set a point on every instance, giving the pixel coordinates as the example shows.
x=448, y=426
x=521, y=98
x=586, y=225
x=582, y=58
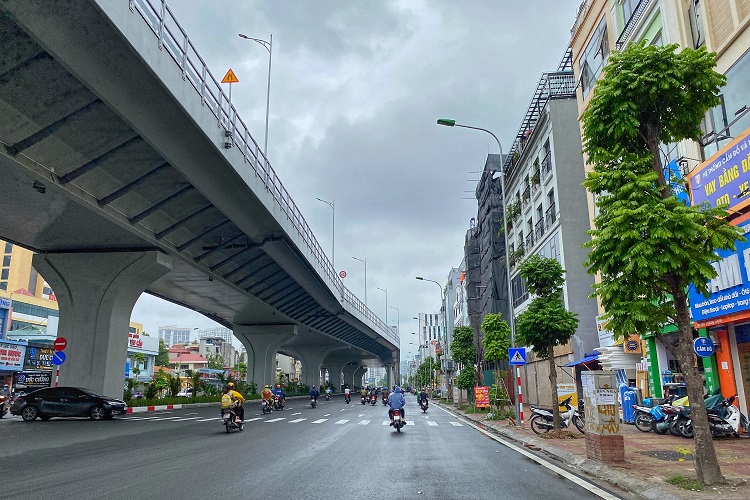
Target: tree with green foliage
x=647, y=246
x=162, y=359
x=241, y=369
x=215, y=362
x=195, y=381
x=464, y=353
x=546, y=323
x=139, y=359
x=466, y=380
x=496, y=341
x=174, y=384
x=425, y=372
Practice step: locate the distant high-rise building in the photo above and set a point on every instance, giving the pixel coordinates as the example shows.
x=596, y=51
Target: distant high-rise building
x=174, y=335
x=218, y=332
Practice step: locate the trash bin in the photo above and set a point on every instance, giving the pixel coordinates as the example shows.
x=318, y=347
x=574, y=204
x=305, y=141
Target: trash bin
x=629, y=398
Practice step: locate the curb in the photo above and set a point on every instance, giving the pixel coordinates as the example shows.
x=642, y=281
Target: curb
x=645, y=487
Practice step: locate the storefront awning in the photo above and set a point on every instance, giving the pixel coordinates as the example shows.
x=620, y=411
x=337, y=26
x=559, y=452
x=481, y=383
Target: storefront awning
x=588, y=357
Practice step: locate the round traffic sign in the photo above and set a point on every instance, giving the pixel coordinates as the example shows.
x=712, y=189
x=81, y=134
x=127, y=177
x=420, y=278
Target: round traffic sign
x=703, y=347
x=58, y=358
x=342, y=274
x=60, y=343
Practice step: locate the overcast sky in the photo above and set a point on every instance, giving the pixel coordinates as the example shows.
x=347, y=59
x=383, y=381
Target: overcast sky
x=356, y=88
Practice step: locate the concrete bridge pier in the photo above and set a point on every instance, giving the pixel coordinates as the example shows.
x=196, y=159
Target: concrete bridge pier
x=335, y=365
x=312, y=358
x=96, y=292
x=348, y=372
x=262, y=342
x=358, y=374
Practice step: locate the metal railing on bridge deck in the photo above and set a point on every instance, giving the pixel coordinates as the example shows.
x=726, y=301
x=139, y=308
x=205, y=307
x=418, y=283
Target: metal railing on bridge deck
x=174, y=39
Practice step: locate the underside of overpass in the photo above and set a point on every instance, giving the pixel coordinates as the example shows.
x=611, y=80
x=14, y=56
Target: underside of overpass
x=98, y=156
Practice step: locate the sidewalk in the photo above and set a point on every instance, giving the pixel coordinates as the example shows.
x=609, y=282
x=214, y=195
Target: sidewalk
x=649, y=458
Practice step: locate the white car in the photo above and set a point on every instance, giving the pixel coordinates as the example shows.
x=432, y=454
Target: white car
x=185, y=393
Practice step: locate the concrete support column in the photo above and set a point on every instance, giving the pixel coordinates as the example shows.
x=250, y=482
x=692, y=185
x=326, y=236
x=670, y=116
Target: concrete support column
x=348, y=372
x=262, y=342
x=335, y=366
x=358, y=374
x=389, y=380
x=96, y=293
x=312, y=358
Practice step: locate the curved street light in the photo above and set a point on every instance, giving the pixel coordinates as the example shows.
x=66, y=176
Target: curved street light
x=269, y=47
x=332, y=204
x=363, y=261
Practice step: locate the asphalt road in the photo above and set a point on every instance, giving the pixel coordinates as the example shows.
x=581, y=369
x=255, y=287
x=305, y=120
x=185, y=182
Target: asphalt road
x=335, y=450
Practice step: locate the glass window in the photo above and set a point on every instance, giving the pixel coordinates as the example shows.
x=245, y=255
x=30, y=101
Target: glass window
x=3, y=285
x=593, y=58
x=4, y=273
x=8, y=247
x=6, y=260
x=628, y=8
x=696, y=23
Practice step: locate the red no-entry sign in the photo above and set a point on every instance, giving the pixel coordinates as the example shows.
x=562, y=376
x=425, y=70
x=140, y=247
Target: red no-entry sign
x=60, y=343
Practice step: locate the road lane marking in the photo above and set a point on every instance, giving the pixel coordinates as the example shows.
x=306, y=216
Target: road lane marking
x=432, y=423
x=189, y=418
x=297, y=420
x=456, y=424
x=251, y=419
x=191, y=413
x=409, y=422
x=298, y=413
x=342, y=422
x=360, y=415
x=209, y=419
x=386, y=422
x=342, y=409
x=319, y=421
x=364, y=422
x=157, y=419
x=275, y=420
x=327, y=415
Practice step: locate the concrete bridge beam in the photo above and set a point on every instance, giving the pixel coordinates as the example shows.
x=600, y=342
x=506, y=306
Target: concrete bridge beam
x=96, y=292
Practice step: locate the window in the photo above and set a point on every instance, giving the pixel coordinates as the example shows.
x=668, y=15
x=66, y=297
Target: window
x=726, y=119
x=8, y=247
x=628, y=8
x=696, y=23
x=4, y=273
x=3, y=285
x=594, y=56
x=6, y=261
x=32, y=310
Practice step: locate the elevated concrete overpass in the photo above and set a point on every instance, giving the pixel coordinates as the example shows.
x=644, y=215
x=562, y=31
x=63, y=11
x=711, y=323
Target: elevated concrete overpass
x=125, y=168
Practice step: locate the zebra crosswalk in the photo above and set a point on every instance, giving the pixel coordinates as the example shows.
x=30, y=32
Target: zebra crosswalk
x=283, y=420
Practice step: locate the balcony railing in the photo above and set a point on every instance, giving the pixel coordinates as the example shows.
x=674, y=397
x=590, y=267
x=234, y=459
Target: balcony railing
x=546, y=166
x=550, y=216
x=526, y=197
x=529, y=240
x=539, y=230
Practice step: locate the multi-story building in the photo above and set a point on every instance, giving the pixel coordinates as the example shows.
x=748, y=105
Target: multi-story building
x=210, y=347
x=430, y=332
x=547, y=214
x=174, y=335
x=218, y=332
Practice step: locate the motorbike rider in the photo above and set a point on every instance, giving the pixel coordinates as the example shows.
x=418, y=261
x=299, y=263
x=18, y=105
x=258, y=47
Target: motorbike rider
x=347, y=394
x=328, y=392
x=314, y=393
x=423, y=395
x=267, y=394
x=396, y=402
x=237, y=400
x=281, y=394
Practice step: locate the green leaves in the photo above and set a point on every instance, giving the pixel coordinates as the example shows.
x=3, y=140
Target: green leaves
x=462, y=346
x=496, y=339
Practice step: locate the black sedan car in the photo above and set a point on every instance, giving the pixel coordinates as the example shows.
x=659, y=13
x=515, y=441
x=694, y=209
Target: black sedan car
x=66, y=402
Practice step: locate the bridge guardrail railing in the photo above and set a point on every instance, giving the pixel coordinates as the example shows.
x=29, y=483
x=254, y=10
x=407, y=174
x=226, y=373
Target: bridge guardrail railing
x=171, y=36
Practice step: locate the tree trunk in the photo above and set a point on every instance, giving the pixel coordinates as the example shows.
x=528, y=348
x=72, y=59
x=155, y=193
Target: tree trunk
x=706, y=464
x=553, y=383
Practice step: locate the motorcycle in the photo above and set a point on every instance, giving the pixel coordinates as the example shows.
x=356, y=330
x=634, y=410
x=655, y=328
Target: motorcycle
x=313, y=401
x=385, y=399
x=398, y=420
x=3, y=408
x=373, y=399
x=265, y=406
x=328, y=396
x=645, y=417
x=231, y=421
x=725, y=420
x=347, y=398
x=277, y=404
x=364, y=400
x=541, y=421
x=423, y=404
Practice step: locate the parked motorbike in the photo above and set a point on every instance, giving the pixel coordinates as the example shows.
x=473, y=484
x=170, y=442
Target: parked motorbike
x=3, y=408
x=726, y=420
x=542, y=421
x=313, y=401
x=423, y=404
x=277, y=403
x=644, y=416
x=373, y=399
x=231, y=421
x=398, y=420
x=347, y=398
x=265, y=406
x=364, y=400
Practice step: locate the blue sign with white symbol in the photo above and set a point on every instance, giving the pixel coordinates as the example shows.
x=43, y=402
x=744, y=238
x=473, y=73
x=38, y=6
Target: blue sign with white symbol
x=58, y=358
x=517, y=355
x=703, y=347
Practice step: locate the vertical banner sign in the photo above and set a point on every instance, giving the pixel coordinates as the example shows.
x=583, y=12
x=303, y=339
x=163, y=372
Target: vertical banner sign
x=482, y=397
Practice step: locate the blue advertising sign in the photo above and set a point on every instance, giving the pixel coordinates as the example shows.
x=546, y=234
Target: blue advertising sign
x=730, y=290
x=724, y=179
x=58, y=358
x=703, y=347
x=674, y=176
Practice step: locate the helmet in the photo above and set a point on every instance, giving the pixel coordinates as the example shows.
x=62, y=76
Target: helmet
x=397, y=389
x=267, y=386
x=230, y=384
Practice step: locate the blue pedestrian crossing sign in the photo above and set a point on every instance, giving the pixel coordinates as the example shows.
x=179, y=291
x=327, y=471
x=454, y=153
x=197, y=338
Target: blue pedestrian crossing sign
x=517, y=355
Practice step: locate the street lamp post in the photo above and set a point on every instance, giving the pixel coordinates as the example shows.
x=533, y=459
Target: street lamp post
x=363, y=261
x=332, y=204
x=398, y=319
x=443, y=306
x=269, y=47
x=385, y=290
x=519, y=402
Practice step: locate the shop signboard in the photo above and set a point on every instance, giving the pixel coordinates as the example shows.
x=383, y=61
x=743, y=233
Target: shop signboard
x=482, y=397
x=38, y=358
x=724, y=179
x=12, y=355
x=32, y=380
x=729, y=299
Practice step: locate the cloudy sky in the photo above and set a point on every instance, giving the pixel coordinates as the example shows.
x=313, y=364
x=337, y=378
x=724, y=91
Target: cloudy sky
x=356, y=88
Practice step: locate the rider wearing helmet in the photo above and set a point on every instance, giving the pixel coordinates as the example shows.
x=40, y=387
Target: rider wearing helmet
x=396, y=402
x=267, y=394
x=238, y=400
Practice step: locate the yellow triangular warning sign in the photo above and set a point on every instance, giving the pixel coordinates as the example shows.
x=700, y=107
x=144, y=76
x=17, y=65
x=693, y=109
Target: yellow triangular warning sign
x=230, y=77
